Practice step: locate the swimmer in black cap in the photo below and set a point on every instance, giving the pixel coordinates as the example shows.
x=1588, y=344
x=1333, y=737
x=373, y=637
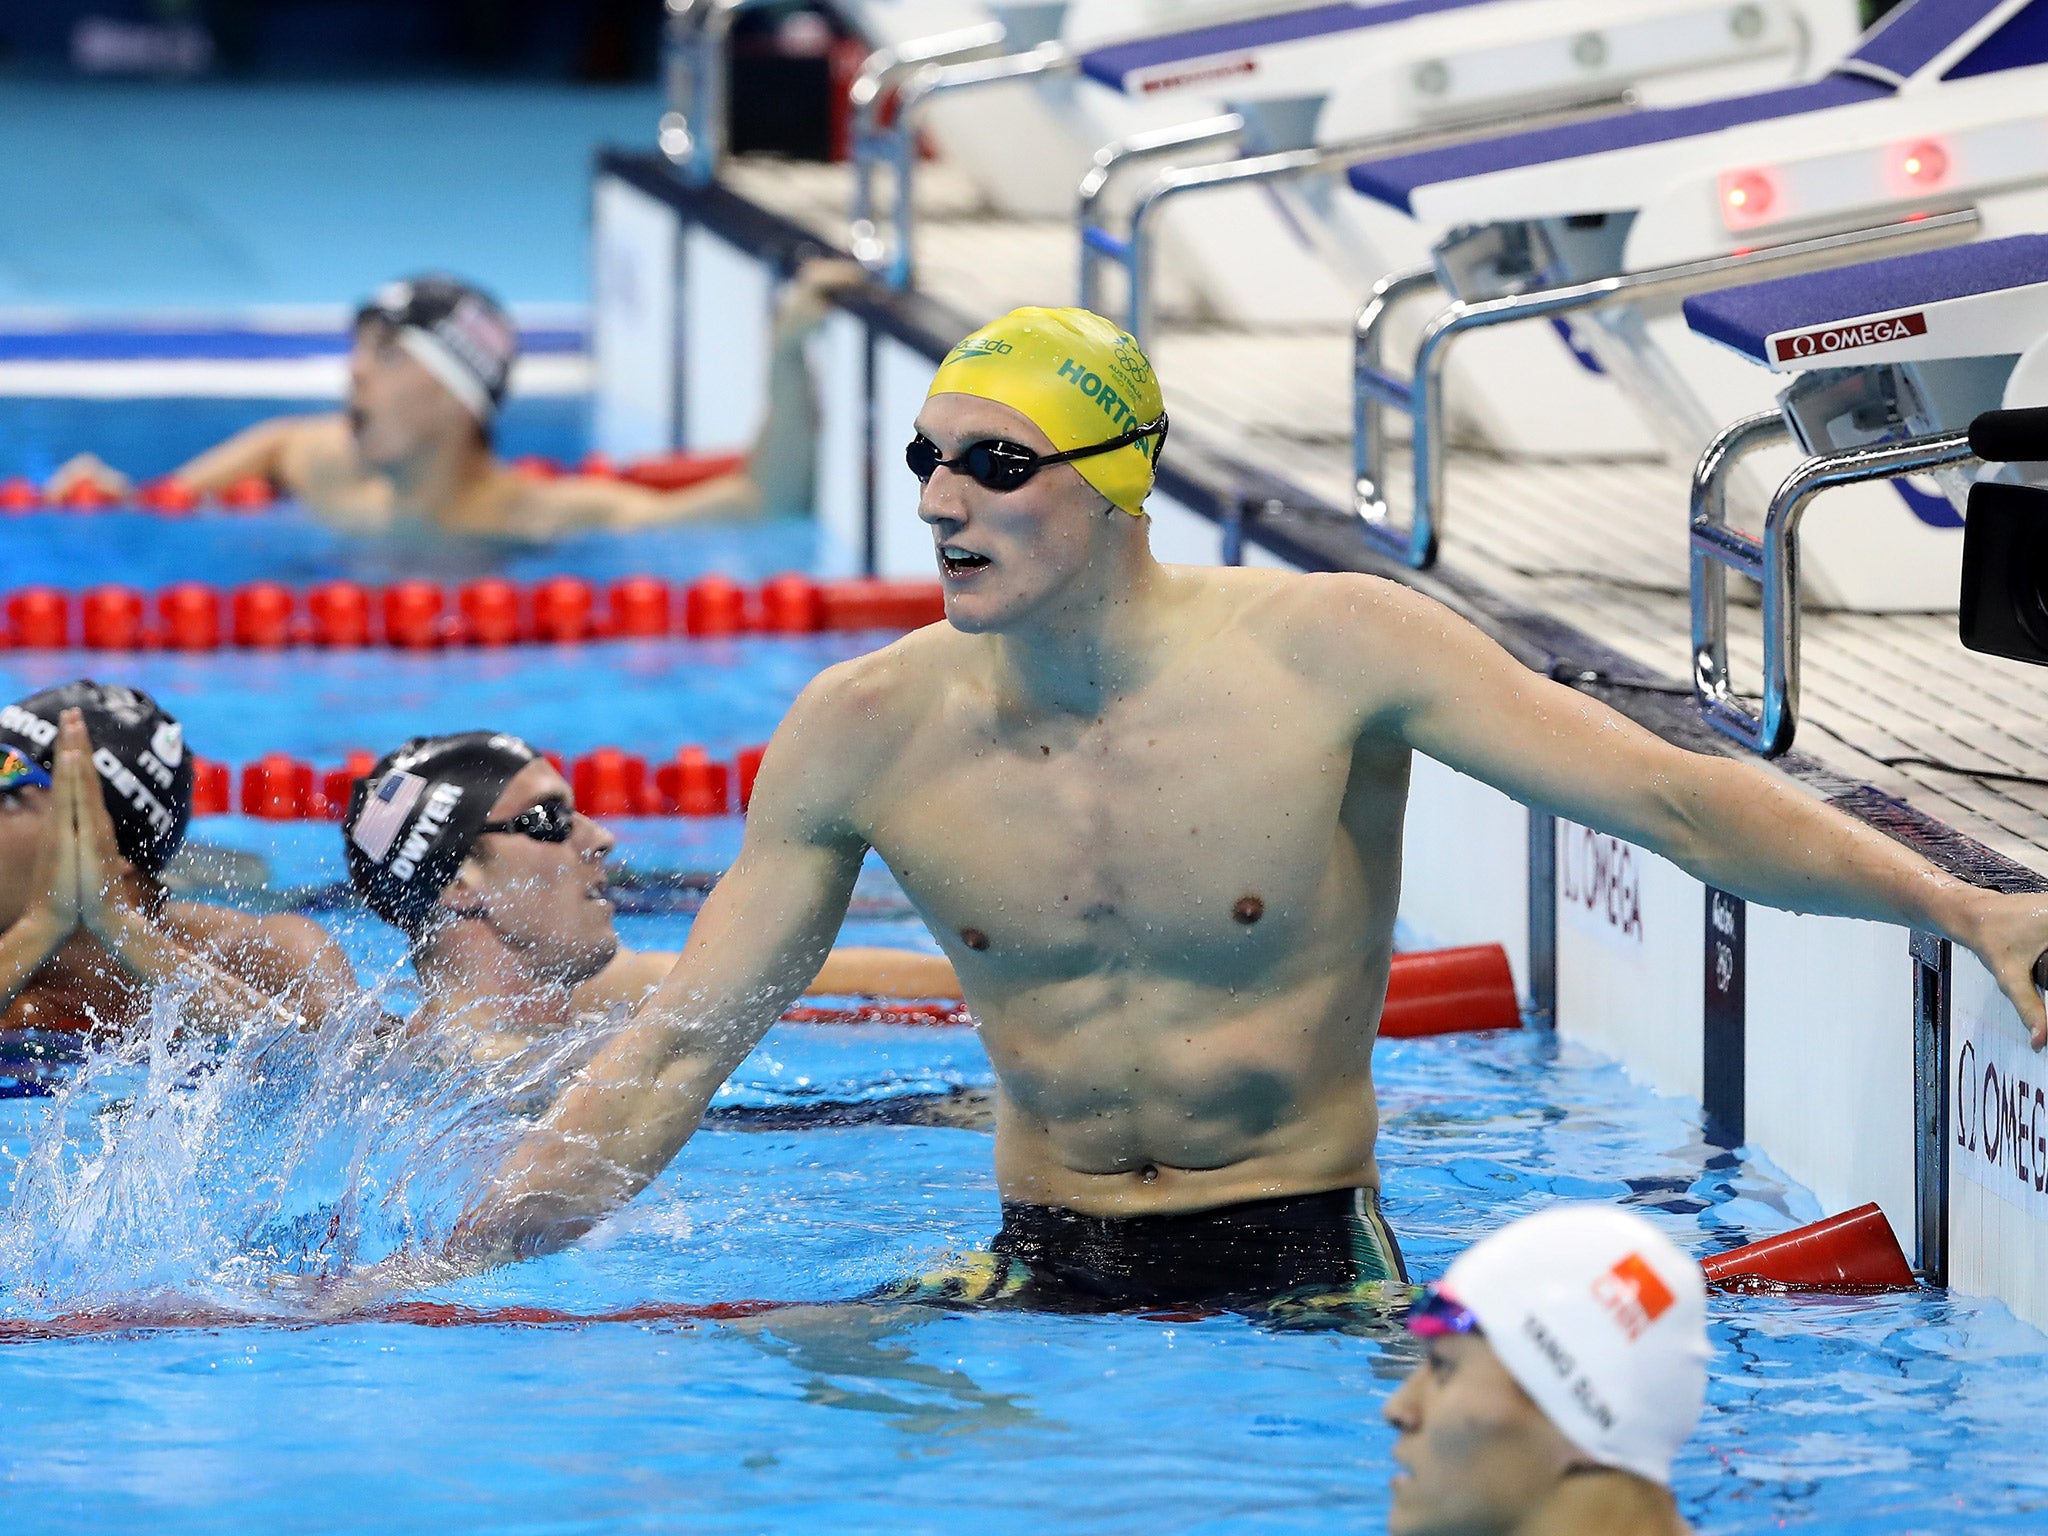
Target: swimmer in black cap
x=431, y=360
x=95, y=793
x=472, y=845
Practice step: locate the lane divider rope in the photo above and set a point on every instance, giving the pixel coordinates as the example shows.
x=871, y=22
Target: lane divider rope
x=412, y=615
x=608, y=782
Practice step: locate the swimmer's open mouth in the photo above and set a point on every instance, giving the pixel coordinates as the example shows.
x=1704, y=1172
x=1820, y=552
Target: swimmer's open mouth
x=957, y=562
x=356, y=418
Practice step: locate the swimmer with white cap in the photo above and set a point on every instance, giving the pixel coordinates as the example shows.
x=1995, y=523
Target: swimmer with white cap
x=1566, y=1365
x=429, y=366
x=1154, y=814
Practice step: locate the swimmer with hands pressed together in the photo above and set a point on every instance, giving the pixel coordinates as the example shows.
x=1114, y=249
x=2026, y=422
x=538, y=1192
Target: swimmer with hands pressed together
x=1154, y=815
x=88, y=934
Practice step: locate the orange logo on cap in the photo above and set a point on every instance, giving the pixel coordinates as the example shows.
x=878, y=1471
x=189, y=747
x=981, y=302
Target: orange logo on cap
x=1634, y=1294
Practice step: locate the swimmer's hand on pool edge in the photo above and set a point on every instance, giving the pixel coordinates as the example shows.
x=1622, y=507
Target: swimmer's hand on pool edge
x=87, y=469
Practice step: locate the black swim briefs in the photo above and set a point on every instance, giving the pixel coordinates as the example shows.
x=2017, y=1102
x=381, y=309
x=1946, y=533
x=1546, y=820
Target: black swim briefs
x=1253, y=1253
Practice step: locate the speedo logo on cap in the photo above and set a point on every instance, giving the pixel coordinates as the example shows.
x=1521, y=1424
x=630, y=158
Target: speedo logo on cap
x=433, y=820
x=1633, y=1295
x=983, y=346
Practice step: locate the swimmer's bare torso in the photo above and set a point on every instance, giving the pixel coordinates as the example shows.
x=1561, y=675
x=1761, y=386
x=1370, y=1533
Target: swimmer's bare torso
x=1153, y=814
x=1173, y=921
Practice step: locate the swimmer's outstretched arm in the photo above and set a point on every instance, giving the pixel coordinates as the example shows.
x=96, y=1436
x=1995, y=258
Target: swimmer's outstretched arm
x=851, y=970
x=260, y=451
x=1439, y=685
x=761, y=936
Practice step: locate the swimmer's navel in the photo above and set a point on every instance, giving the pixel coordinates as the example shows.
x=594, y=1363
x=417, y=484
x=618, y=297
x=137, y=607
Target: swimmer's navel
x=1149, y=1173
x=974, y=938
x=1249, y=910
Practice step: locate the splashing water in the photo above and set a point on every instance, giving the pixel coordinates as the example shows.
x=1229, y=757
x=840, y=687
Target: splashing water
x=289, y=1172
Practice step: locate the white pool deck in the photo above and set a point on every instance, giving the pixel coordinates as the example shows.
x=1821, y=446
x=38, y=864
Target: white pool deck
x=1598, y=544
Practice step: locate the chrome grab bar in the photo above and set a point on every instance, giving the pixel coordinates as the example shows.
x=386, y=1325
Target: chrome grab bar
x=1098, y=244
x=1773, y=560
x=692, y=132
x=1133, y=251
x=918, y=71
x=1420, y=395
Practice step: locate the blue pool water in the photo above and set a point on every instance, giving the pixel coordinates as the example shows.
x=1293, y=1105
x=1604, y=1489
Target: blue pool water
x=1837, y=1415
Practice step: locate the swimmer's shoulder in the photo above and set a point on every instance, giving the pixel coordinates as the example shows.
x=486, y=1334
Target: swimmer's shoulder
x=1342, y=632
x=1288, y=607
x=863, y=711
x=278, y=952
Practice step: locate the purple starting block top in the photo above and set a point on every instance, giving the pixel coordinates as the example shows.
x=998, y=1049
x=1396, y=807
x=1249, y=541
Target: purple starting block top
x=1113, y=64
x=1907, y=42
x=1745, y=318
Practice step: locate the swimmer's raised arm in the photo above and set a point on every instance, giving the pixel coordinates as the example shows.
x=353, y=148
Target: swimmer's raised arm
x=761, y=936
x=1446, y=689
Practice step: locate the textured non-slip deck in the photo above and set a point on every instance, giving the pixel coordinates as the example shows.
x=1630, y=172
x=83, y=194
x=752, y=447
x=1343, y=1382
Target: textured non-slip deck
x=1598, y=544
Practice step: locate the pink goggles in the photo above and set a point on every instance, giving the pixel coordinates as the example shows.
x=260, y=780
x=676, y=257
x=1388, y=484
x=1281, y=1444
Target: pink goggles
x=1438, y=1313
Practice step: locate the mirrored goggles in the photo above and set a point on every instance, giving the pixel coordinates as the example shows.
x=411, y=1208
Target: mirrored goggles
x=1437, y=1314
x=549, y=822
x=19, y=772
x=1002, y=465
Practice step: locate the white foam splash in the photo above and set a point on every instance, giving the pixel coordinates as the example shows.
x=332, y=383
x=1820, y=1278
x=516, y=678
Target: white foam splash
x=274, y=1174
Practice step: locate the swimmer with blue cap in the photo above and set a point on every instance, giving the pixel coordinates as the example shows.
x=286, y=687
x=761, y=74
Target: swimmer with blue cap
x=1154, y=815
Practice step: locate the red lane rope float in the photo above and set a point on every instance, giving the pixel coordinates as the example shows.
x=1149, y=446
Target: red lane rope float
x=1450, y=991
x=1429, y=992
x=423, y=615
x=608, y=782
x=1855, y=1251
x=418, y=1314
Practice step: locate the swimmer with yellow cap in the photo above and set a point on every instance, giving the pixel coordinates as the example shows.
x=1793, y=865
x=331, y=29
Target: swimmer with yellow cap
x=1082, y=382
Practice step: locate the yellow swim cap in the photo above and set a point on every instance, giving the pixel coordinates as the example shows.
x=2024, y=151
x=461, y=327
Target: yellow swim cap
x=1079, y=379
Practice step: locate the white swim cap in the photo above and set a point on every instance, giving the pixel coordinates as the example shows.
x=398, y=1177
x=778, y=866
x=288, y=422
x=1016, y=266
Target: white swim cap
x=1601, y=1320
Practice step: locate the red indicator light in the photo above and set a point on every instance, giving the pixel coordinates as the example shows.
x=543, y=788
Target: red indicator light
x=1747, y=198
x=1925, y=164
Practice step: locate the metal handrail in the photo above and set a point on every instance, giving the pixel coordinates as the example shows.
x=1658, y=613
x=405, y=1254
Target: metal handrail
x=1421, y=394
x=1134, y=251
x=1098, y=244
x=1773, y=561
x=919, y=71
x=692, y=132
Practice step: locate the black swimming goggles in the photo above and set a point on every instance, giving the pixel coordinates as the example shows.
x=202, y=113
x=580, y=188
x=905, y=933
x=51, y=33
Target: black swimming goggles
x=549, y=822
x=1002, y=465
